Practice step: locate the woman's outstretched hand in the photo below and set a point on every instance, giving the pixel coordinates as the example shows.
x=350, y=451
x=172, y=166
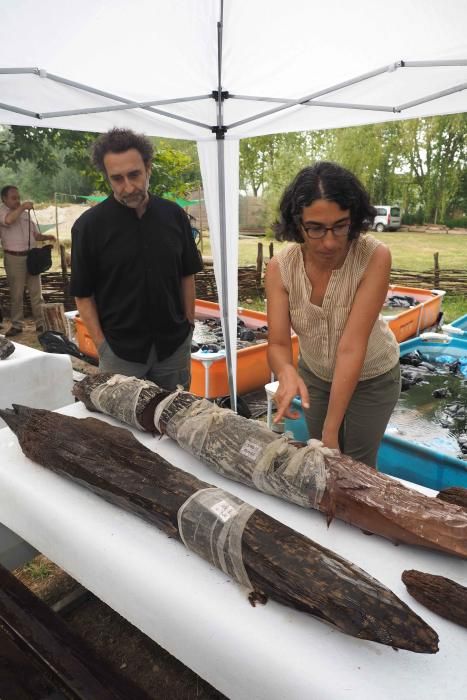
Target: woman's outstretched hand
x=290, y=386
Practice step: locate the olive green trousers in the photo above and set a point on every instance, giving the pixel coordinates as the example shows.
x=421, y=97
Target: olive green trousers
x=367, y=414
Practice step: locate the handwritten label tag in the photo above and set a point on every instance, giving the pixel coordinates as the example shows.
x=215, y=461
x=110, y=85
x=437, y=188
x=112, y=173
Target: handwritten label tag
x=250, y=449
x=224, y=510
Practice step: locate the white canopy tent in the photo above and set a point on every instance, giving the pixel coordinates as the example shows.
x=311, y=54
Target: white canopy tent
x=220, y=70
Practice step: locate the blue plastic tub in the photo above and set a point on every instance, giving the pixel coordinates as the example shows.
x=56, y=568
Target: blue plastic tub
x=457, y=328
x=399, y=457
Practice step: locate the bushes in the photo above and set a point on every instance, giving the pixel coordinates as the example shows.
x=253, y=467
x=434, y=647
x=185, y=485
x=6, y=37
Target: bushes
x=419, y=218
x=456, y=223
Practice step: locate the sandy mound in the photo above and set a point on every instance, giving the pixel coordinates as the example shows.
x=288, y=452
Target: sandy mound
x=66, y=218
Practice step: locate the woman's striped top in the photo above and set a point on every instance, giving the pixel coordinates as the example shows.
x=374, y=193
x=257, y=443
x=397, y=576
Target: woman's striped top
x=319, y=328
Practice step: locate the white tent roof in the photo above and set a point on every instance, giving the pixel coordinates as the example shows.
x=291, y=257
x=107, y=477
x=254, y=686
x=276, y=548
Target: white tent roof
x=148, y=50
x=360, y=62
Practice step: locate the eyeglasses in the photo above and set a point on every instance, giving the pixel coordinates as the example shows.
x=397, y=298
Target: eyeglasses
x=319, y=231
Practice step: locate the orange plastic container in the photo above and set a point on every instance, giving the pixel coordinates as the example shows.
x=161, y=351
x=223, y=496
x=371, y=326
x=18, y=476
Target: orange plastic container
x=85, y=342
x=252, y=363
x=411, y=322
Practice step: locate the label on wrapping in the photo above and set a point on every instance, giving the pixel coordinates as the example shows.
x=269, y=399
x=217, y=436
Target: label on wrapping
x=250, y=449
x=224, y=510
x=211, y=523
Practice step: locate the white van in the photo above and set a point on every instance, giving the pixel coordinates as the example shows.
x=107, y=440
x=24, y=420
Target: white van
x=388, y=218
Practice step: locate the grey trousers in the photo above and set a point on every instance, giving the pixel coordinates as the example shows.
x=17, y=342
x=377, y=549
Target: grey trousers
x=367, y=414
x=19, y=278
x=168, y=374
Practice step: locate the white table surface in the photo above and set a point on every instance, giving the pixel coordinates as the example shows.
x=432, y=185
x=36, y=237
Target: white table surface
x=35, y=378
x=202, y=617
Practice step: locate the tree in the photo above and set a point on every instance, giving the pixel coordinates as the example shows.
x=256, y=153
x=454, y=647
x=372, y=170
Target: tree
x=55, y=155
x=435, y=154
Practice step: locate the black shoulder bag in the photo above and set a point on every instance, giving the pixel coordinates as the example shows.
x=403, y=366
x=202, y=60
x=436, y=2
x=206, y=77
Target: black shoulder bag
x=38, y=259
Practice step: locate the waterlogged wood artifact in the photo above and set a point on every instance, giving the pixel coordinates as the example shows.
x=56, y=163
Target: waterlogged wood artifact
x=454, y=494
x=439, y=594
x=6, y=348
x=130, y=400
x=267, y=557
x=311, y=476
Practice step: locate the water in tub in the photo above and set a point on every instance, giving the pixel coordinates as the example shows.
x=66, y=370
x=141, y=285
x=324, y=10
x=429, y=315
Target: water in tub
x=208, y=334
x=432, y=410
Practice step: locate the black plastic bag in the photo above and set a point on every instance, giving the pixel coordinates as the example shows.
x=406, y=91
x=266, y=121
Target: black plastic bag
x=39, y=259
x=242, y=407
x=55, y=341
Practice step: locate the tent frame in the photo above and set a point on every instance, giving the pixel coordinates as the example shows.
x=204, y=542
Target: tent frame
x=220, y=129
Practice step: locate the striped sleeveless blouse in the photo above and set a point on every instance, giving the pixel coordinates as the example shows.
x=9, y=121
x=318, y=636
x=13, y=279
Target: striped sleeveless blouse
x=319, y=328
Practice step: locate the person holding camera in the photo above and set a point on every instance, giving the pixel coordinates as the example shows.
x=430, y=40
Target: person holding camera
x=18, y=234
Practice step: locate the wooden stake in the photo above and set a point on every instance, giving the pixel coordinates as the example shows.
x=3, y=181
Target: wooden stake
x=279, y=562
x=439, y=594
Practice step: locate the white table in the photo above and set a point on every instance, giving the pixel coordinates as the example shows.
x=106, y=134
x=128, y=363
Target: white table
x=195, y=612
x=42, y=380
x=35, y=378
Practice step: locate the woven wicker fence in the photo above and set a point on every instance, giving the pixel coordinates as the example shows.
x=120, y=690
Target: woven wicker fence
x=55, y=285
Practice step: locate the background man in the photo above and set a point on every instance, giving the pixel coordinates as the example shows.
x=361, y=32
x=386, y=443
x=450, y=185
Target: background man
x=133, y=266
x=18, y=233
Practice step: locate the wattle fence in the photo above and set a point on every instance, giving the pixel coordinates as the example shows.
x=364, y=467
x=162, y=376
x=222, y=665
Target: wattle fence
x=55, y=285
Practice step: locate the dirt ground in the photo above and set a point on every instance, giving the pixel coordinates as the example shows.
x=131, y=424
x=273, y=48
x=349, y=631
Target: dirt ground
x=126, y=648
x=64, y=216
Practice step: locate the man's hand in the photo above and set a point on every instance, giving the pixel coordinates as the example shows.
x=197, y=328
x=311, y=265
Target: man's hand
x=27, y=205
x=50, y=237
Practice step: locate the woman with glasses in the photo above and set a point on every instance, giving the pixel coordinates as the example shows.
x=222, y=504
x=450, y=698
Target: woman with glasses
x=330, y=286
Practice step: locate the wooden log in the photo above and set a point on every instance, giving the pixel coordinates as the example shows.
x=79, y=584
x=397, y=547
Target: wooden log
x=259, y=263
x=148, y=399
x=436, y=269
x=277, y=561
x=454, y=494
x=439, y=594
x=351, y=491
x=40, y=654
x=55, y=319
x=7, y=348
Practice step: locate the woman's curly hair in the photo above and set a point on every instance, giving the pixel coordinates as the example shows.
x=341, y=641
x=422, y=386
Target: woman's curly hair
x=119, y=141
x=323, y=180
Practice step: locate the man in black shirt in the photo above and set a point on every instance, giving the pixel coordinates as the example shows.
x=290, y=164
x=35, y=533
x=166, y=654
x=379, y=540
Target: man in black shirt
x=133, y=266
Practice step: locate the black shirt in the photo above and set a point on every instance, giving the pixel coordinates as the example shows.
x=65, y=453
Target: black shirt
x=133, y=267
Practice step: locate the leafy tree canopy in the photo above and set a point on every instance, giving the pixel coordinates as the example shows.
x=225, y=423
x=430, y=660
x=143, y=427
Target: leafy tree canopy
x=43, y=161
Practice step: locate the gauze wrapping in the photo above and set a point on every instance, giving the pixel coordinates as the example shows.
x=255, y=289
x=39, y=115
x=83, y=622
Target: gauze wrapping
x=118, y=397
x=247, y=451
x=211, y=523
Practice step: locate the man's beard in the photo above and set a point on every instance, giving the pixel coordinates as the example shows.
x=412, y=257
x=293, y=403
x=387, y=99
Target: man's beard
x=134, y=200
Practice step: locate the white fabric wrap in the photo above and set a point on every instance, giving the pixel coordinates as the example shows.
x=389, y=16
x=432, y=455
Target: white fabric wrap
x=162, y=405
x=211, y=523
x=246, y=451
x=118, y=397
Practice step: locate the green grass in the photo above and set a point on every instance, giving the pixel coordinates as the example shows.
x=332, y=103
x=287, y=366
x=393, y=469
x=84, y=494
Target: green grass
x=38, y=570
x=414, y=251
x=454, y=306
x=410, y=251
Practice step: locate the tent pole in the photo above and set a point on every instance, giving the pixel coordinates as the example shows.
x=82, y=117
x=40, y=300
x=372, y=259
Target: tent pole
x=223, y=271
x=220, y=133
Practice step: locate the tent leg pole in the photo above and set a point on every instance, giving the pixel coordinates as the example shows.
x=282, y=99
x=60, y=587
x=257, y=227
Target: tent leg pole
x=223, y=271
